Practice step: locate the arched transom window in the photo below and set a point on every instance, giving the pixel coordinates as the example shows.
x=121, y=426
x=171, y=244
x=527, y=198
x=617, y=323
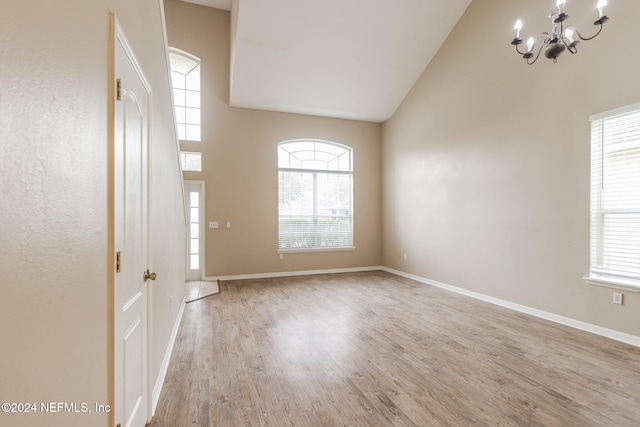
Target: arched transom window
x=315, y=196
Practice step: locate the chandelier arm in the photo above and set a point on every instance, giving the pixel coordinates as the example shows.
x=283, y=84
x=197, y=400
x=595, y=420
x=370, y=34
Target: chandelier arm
x=588, y=38
x=546, y=35
x=570, y=47
x=538, y=55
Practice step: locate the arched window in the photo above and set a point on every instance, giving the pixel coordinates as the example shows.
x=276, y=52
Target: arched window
x=315, y=196
x=185, y=77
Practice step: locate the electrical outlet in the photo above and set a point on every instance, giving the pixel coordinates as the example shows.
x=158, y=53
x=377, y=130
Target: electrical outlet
x=405, y=256
x=617, y=298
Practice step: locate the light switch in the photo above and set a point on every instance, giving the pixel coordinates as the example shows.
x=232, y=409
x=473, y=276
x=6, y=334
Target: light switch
x=213, y=224
x=228, y=224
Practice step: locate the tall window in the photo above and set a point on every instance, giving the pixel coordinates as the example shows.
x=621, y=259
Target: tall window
x=315, y=196
x=185, y=77
x=615, y=196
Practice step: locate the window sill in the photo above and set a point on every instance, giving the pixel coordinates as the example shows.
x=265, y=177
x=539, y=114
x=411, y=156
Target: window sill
x=631, y=285
x=328, y=249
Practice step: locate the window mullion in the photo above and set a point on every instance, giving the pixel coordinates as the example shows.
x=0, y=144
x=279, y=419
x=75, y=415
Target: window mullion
x=316, y=234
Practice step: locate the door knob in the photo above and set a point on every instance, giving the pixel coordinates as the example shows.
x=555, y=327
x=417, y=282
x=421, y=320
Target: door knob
x=148, y=275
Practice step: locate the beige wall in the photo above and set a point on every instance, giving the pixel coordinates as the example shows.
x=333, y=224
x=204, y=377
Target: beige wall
x=53, y=209
x=240, y=162
x=486, y=163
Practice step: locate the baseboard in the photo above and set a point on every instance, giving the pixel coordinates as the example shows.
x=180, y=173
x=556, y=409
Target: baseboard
x=294, y=273
x=577, y=324
x=157, y=388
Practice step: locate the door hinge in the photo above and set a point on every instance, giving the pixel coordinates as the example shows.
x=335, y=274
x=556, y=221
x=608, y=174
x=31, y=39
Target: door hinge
x=118, y=262
x=119, y=90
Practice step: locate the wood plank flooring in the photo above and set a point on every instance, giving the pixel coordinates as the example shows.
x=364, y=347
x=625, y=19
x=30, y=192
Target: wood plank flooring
x=375, y=349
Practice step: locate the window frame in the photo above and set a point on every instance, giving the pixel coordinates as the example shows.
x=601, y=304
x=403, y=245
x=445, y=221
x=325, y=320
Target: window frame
x=189, y=96
x=184, y=161
x=314, y=173
x=603, y=139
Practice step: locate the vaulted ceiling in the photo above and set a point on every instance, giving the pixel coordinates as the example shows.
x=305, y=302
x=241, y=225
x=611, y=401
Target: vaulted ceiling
x=353, y=59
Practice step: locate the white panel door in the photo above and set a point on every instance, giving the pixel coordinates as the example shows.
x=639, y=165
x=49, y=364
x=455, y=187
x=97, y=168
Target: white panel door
x=130, y=238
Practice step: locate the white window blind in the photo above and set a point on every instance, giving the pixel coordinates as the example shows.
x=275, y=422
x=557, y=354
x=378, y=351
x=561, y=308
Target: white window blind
x=315, y=193
x=615, y=194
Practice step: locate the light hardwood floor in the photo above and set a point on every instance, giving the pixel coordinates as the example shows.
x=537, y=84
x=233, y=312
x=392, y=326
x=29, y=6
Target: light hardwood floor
x=375, y=349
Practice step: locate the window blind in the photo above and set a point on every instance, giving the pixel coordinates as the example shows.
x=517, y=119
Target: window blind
x=615, y=193
x=315, y=210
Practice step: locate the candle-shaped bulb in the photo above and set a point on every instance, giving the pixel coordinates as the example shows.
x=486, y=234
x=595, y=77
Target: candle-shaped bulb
x=560, y=4
x=530, y=44
x=600, y=7
x=518, y=27
x=568, y=33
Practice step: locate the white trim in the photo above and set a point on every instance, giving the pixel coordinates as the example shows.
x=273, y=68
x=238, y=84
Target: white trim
x=155, y=396
x=184, y=53
x=615, y=112
x=173, y=104
x=577, y=324
x=327, y=171
x=316, y=249
x=294, y=273
x=630, y=285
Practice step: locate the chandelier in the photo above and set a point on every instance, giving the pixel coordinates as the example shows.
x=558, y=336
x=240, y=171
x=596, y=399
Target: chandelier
x=560, y=38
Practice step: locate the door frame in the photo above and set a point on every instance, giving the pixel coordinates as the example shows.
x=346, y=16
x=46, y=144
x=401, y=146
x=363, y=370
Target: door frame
x=117, y=36
x=203, y=227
